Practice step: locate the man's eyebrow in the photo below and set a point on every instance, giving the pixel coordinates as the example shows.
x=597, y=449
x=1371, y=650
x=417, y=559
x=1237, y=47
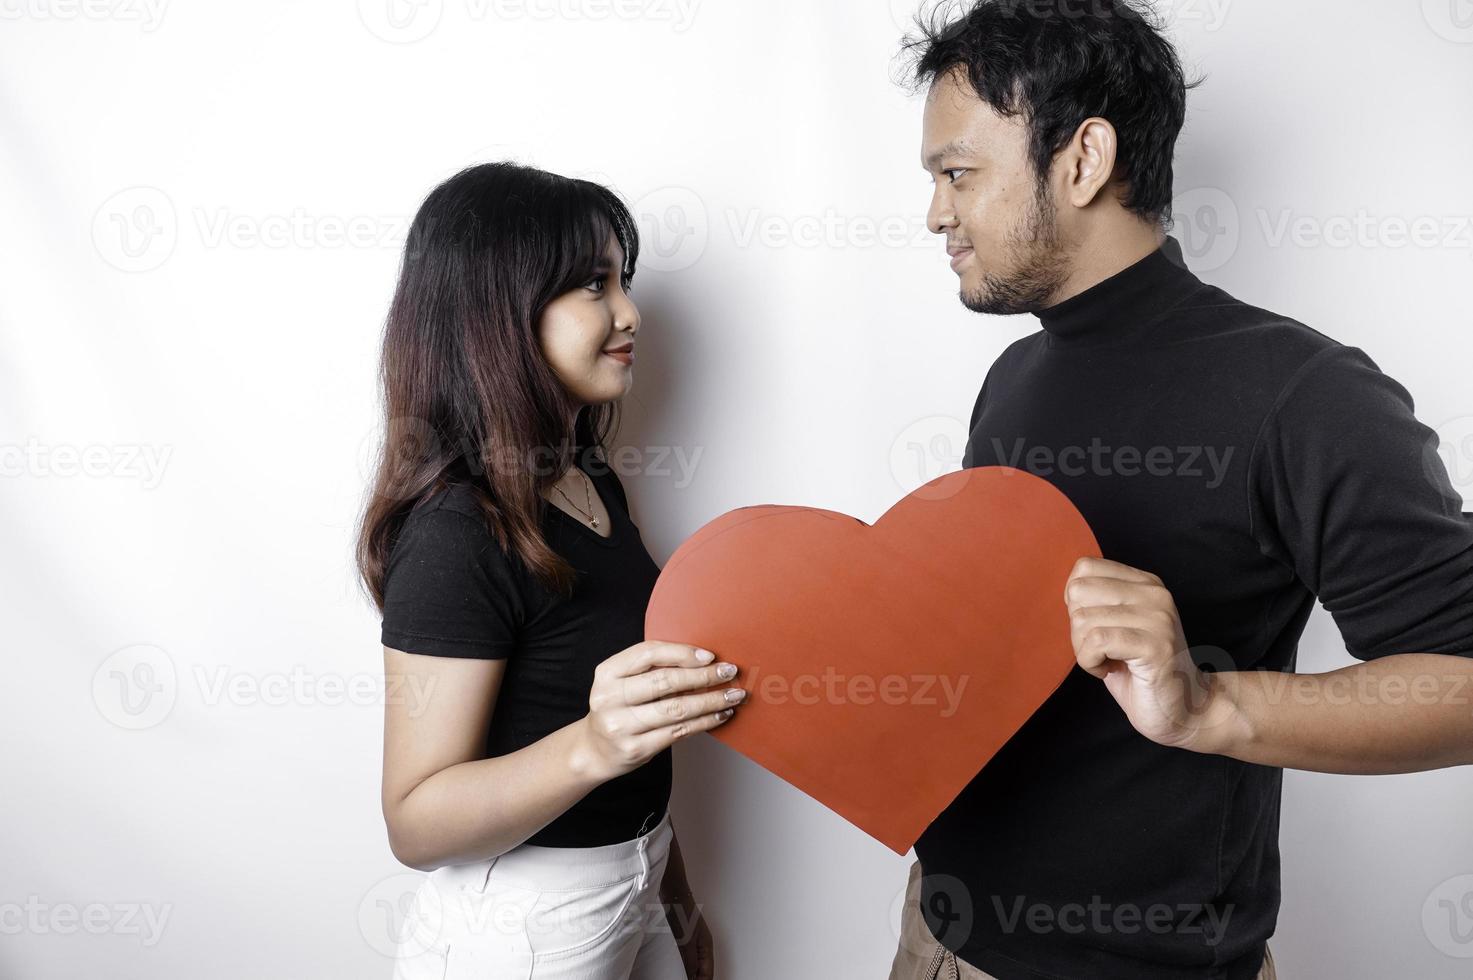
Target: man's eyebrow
x=955, y=146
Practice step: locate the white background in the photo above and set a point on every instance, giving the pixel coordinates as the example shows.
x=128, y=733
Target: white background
x=203, y=206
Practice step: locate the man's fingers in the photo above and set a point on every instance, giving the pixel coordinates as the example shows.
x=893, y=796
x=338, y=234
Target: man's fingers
x=1105, y=568
x=1082, y=619
x=1101, y=576
x=1104, y=643
x=1092, y=590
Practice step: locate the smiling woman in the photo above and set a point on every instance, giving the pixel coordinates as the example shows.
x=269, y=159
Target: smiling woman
x=533, y=777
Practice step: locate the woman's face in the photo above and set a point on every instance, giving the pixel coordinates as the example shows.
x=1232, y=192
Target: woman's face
x=587, y=334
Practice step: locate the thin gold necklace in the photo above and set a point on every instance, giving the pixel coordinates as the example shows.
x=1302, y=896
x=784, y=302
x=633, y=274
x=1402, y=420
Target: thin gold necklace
x=588, y=493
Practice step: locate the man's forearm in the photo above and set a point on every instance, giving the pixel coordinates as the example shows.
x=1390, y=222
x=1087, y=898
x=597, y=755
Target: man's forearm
x=674, y=887
x=1404, y=713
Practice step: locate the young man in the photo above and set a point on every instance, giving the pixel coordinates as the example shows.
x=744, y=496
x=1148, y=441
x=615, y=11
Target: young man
x=1234, y=465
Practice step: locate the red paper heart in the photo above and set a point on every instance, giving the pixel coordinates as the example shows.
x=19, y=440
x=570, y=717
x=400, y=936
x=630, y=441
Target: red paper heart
x=837, y=626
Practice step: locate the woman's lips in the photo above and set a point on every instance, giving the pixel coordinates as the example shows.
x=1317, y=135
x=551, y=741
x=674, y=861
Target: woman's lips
x=624, y=355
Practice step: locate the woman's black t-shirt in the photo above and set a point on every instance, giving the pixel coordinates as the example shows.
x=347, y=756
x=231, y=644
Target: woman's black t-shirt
x=452, y=591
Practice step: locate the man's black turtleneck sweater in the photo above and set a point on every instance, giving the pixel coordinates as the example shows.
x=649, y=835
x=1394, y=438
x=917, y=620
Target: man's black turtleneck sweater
x=1254, y=464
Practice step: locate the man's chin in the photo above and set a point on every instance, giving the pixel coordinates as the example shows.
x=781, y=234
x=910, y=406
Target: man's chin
x=979, y=299
x=1005, y=297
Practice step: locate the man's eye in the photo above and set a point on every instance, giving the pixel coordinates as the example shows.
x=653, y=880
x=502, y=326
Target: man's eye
x=954, y=170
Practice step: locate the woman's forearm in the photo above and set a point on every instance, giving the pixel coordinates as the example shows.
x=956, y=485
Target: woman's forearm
x=477, y=810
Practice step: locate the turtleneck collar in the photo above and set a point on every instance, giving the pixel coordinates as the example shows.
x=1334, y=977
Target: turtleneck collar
x=1119, y=307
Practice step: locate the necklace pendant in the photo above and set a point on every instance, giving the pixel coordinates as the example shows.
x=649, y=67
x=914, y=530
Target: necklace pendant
x=593, y=522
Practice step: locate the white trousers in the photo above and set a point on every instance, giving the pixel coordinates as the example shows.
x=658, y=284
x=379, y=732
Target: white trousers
x=546, y=913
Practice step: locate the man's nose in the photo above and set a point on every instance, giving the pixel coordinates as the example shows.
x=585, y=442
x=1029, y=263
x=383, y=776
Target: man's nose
x=940, y=215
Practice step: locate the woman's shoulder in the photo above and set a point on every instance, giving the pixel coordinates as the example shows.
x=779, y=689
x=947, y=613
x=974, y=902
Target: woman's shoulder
x=449, y=587
x=450, y=504
x=450, y=521
x=455, y=498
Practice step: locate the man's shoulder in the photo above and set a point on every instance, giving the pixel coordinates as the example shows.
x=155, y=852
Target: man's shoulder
x=1213, y=314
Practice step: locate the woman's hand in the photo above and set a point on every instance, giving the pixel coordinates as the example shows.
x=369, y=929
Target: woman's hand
x=636, y=708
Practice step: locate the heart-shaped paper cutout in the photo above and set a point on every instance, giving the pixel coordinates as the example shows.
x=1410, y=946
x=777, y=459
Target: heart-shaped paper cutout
x=886, y=664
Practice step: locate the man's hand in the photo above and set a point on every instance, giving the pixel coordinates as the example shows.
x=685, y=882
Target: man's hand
x=692, y=936
x=1126, y=631
x=683, y=913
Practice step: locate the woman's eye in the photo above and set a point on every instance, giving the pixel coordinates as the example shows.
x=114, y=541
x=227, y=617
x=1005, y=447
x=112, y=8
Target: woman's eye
x=596, y=283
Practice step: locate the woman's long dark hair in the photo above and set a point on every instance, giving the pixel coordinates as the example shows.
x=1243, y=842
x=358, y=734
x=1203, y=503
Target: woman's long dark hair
x=468, y=395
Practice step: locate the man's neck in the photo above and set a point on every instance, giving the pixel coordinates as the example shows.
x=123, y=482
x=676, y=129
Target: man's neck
x=1105, y=255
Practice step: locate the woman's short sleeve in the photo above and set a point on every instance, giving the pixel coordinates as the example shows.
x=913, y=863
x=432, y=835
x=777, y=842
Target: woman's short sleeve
x=450, y=590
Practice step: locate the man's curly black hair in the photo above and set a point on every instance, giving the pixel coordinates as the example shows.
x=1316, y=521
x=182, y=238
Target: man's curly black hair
x=1059, y=62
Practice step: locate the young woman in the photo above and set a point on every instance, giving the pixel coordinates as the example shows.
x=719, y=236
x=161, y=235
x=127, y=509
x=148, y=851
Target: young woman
x=527, y=730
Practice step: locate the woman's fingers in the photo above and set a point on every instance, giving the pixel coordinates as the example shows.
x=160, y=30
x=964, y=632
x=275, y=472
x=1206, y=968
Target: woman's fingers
x=663, y=738
x=662, y=682
x=669, y=712
x=636, y=708
x=653, y=653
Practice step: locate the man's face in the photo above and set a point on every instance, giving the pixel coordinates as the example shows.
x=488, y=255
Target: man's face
x=1000, y=228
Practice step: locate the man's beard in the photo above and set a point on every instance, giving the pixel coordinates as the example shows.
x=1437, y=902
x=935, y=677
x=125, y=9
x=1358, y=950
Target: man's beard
x=1040, y=265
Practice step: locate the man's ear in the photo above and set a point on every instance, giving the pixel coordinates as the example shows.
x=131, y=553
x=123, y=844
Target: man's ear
x=1088, y=161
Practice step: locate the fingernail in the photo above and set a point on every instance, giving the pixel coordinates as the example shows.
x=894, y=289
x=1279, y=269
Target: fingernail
x=726, y=670
x=727, y=713
x=705, y=656
x=735, y=694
